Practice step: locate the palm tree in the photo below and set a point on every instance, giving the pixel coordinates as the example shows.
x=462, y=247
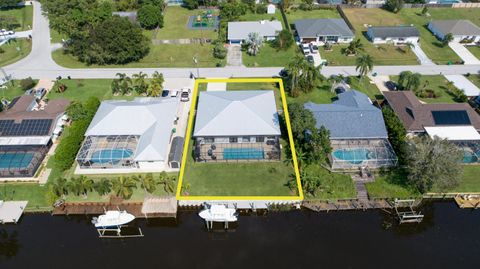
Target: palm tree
x=147, y=182
x=364, y=65
x=60, y=187
x=302, y=75
x=301, y=158
x=294, y=69
x=156, y=86
x=447, y=39
x=167, y=182
x=413, y=82
x=254, y=42
x=123, y=186
x=123, y=83
x=403, y=78
x=139, y=82
x=335, y=79
x=353, y=47
x=103, y=186
x=81, y=185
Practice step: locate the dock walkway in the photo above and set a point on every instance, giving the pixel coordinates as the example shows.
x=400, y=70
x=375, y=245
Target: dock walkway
x=350, y=204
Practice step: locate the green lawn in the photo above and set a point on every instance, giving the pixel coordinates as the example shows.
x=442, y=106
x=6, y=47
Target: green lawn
x=269, y=56
x=11, y=91
x=334, y=185
x=294, y=15
x=24, y=16
x=263, y=16
x=366, y=86
x=430, y=44
x=470, y=181
x=437, y=84
x=175, y=25
x=14, y=51
x=475, y=78
x=166, y=55
x=32, y=192
x=56, y=37
x=322, y=94
x=390, y=185
x=475, y=50
x=382, y=54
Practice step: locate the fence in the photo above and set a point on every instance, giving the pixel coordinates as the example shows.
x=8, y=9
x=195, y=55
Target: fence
x=345, y=18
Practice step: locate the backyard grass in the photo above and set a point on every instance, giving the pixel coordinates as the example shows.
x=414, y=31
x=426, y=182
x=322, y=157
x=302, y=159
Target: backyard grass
x=249, y=16
x=298, y=14
x=269, y=56
x=475, y=50
x=23, y=15
x=175, y=25
x=334, y=185
x=391, y=185
x=31, y=192
x=470, y=181
x=165, y=55
x=14, y=51
x=436, y=83
x=382, y=54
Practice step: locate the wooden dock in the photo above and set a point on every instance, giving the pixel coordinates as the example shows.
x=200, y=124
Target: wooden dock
x=349, y=204
x=468, y=201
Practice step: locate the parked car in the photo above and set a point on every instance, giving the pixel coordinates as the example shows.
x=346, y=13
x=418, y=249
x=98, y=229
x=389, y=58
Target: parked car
x=39, y=93
x=29, y=92
x=184, y=97
x=340, y=90
x=165, y=93
x=305, y=48
x=391, y=85
x=173, y=93
x=310, y=59
x=313, y=48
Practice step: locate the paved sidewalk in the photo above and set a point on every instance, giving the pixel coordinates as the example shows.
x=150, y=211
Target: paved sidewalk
x=464, y=53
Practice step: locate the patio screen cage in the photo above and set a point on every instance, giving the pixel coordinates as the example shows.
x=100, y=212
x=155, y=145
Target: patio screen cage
x=236, y=152
x=113, y=151
x=361, y=153
x=21, y=161
x=470, y=151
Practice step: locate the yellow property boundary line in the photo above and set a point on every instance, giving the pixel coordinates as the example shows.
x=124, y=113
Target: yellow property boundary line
x=179, y=196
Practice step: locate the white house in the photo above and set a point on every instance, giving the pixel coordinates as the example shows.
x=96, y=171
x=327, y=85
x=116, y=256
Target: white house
x=393, y=34
x=238, y=31
x=462, y=30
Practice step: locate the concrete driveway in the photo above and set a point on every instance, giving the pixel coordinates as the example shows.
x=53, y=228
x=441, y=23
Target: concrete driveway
x=464, y=53
x=234, y=55
x=380, y=82
x=421, y=56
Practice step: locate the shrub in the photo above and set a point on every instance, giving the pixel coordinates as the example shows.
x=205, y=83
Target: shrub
x=27, y=83
x=150, y=17
x=219, y=51
x=261, y=8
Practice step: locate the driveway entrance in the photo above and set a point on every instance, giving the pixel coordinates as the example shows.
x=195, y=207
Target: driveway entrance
x=234, y=55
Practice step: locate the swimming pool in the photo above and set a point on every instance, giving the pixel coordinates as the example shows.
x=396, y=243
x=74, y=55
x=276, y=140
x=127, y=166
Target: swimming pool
x=243, y=154
x=470, y=157
x=354, y=156
x=16, y=160
x=110, y=155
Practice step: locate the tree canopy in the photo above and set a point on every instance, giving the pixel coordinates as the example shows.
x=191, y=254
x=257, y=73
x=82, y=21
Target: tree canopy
x=150, y=16
x=9, y=3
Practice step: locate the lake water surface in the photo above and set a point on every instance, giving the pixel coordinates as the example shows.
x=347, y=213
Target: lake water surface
x=447, y=238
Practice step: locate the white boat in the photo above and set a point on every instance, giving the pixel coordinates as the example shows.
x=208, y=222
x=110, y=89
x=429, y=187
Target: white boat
x=113, y=219
x=219, y=213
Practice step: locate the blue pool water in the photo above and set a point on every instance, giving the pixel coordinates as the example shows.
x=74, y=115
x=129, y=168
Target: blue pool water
x=17, y=160
x=111, y=155
x=469, y=157
x=243, y=153
x=354, y=156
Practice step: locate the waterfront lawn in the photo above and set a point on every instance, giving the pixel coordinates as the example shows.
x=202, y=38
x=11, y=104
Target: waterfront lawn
x=334, y=185
x=175, y=25
x=31, y=192
x=436, y=83
x=23, y=15
x=15, y=50
x=382, y=54
x=165, y=55
x=430, y=44
x=270, y=56
x=475, y=50
x=470, y=180
x=391, y=184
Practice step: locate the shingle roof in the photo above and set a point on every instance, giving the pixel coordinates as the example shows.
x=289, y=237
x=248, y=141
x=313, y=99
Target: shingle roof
x=322, y=27
x=236, y=113
x=394, y=31
x=239, y=30
x=150, y=118
x=415, y=115
x=456, y=27
x=351, y=116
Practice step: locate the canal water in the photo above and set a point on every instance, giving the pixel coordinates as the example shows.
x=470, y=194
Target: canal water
x=447, y=238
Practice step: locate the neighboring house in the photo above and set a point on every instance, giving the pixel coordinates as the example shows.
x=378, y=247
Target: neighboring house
x=129, y=136
x=27, y=130
x=458, y=122
x=237, y=125
x=397, y=35
x=322, y=30
x=462, y=30
x=238, y=31
x=357, y=132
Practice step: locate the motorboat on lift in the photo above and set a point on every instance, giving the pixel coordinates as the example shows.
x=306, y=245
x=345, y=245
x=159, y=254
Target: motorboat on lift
x=219, y=213
x=112, y=219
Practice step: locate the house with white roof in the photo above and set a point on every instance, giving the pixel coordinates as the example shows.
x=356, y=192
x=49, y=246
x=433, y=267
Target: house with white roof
x=129, y=135
x=238, y=31
x=237, y=125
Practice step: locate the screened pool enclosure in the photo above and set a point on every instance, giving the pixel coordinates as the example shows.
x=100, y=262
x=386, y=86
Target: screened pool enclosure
x=21, y=161
x=116, y=151
x=362, y=153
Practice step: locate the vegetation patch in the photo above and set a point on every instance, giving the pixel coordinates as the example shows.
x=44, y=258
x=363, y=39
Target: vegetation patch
x=14, y=50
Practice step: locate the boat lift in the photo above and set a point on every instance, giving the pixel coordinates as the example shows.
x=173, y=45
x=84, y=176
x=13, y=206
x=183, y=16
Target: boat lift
x=117, y=232
x=113, y=222
x=218, y=213
x=410, y=215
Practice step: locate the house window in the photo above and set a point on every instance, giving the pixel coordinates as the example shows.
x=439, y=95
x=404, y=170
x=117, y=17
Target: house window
x=208, y=139
x=260, y=139
x=332, y=38
x=233, y=139
x=246, y=139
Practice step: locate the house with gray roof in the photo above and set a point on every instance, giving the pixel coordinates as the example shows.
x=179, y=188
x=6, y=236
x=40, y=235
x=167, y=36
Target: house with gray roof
x=397, y=35
x=237, y=125
x=238, y=31
x=129, y=135
x=323, y=30
x=358, y=134
x=460, y=29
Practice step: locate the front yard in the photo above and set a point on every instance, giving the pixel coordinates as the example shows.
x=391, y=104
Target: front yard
x=437, y=84
x=475, y=50
x=23, y=16
x=269, y=56
x=14, y=51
